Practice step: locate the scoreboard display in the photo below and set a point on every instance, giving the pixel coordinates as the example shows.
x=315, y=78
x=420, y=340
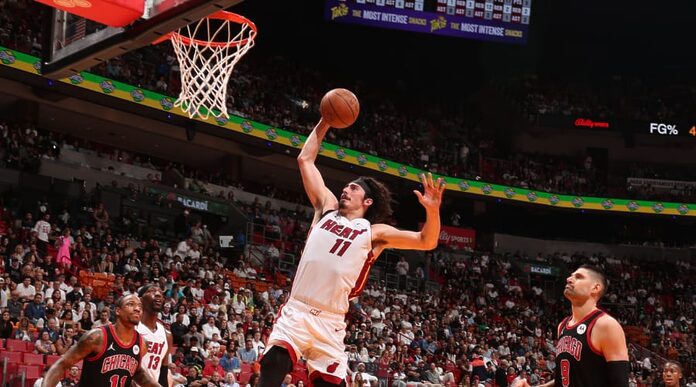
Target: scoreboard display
x=492, y=20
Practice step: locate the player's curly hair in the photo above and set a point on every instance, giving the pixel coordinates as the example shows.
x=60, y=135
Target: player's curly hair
x=381, y=209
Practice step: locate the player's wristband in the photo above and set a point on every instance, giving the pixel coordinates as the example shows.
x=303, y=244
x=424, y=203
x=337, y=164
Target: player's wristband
x=618, y=372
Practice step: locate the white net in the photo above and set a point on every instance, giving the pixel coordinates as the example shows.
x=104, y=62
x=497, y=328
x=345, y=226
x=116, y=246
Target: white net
x=207, y=52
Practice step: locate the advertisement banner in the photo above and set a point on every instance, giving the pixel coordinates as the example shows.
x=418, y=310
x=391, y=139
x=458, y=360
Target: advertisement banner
x=459, y=26
x=456, y=237
x=475, y=188
x=198, y=204
x=533, y=268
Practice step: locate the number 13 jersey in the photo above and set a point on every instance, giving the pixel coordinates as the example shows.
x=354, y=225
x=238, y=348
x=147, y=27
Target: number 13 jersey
x=157, y=348
x=335, y=263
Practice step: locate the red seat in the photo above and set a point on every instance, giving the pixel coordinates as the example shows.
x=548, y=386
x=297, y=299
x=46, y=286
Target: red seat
x=31, y=371
x=16, y=345
x=33, y=358
x=12, y=356
x=12, y=368
x=246, y=368
x=243, y=378
x=50, y=359
x=2, y=344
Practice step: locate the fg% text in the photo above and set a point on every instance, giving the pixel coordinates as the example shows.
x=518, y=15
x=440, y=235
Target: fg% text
x=663, y=129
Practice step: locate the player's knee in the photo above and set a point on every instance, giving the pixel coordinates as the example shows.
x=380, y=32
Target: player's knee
x=276, y=359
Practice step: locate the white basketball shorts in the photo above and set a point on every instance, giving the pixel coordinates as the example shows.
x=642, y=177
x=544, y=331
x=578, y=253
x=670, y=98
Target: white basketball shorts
x=316, y=335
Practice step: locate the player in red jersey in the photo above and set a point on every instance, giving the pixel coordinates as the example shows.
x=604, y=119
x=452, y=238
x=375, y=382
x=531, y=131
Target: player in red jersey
x=112, y=353
x=347, y=236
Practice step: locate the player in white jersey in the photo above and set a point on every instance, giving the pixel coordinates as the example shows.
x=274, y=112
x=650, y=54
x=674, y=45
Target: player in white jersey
x=159, y=339
x=346, y=238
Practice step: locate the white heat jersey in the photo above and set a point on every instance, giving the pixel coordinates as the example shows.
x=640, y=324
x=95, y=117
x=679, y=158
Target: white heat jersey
x=335, y=263
x=157, y=348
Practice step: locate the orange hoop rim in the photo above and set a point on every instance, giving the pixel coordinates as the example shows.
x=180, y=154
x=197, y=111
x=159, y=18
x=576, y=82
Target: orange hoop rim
x=219, y=15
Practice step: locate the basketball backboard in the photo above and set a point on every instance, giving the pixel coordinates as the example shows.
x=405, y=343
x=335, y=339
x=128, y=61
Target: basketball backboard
x=74, y=43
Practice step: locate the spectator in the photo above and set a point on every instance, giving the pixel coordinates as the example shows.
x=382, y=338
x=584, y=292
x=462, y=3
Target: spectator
x=26, y=290
x=44, y=346
x=42, y=228
x=248, y=354
x=36, y=310
x=402, y=272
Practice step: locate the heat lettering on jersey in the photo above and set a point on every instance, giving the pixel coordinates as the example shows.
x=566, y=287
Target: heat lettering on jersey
x=155, y=348
x=341, y=230
x=120, y=362
x=569, y=345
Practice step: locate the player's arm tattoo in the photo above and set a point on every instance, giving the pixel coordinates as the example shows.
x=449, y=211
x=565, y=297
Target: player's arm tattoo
x=144, y=379
x=90, y=343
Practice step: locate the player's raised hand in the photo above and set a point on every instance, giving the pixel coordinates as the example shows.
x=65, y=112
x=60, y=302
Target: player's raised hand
x=432, y=192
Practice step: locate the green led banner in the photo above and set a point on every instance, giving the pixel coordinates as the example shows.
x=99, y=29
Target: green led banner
x=154, y=100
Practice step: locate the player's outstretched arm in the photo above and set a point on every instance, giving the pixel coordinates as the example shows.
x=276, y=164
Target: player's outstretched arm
x=389, y=237
x=322, y=199
x=88, y=344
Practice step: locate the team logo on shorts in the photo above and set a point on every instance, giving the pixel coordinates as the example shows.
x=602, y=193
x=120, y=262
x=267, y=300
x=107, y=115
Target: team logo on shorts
x=582, y=328
x=295, y=140
x=487, y=189
x=76, y=79
x=532, y=196
x=340, y=153
x=553, y=199
x=463, y=185
x=7, y=57
x=246, y=127
x=607, y=204
x=332, y=367
x=403, y=171
x=382, y=165
x=107, y=86
x=362, y=159
x=136, y=350
x=578, y=202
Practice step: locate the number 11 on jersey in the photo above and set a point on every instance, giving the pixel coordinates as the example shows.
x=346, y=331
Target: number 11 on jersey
x=342, y=249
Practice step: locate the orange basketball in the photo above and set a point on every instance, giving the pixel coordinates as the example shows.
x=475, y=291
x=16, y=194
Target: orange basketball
x=339, y=108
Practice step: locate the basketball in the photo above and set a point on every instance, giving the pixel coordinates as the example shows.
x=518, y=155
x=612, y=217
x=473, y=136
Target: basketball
x=339, y=108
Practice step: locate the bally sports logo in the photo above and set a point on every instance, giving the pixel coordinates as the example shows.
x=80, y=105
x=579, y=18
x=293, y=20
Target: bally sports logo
x=457, y=237
x=588, y=123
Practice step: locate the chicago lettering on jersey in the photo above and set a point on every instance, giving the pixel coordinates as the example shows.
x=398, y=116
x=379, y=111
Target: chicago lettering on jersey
x=341, y=230
x=155, y=348
x=122, y=362
x=571, y=346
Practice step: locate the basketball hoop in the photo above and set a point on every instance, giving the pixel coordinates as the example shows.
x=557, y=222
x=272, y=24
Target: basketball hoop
x=207, y=52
